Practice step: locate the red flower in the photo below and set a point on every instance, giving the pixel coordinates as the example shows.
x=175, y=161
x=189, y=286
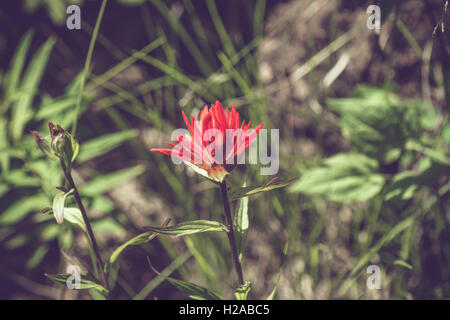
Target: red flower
x=215, y=142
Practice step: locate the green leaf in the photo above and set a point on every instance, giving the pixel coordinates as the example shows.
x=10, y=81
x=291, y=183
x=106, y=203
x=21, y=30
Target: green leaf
x=75, y=148
x=21, y=178
x=72, y=259
x=49, y=173
x=437, y=153
x=102, y=204
x=22, y=207
x=139, y=239
x=97, y=295
x=17, y=64
x=156, y=281
x=84, y=284
x=429, y=116
x=3, y=189
x=403, y=264
x=74, y=216
x=4, y=146
x=190, y=227
x=249, y=191
x=243, y=291
x=21, y=112
x=376, y=122
x=387, y=238
x=403, y=186
x=203, y=256
x=13, y=152
x=445, y=188
x=106, y=182
x=445, y=133
x=241, y=224
x=192, y=290
x=101, y=145
x=365, y=258
x=58, y=205
x=37, y=257
x=283, y=259
x=346, y=177
x=132, y=2
x=54, y=107
x=110, y=226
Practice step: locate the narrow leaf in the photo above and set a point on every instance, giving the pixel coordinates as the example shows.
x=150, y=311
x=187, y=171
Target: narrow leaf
x=241, y=224
x=106, y=182
x=75, y=148
x=84, y=284
x=4, y=146
x=346, y=177
x=156, y=281
x=74, y=216
x=22, y=207
x=194, y=291
x=101, y=145
x=54, y=107
x=403, y=264
x=365, y=258
x=22, y=112
x=58, y=205
x=388, y=237
x=283, y=259
x=191, y=227
x=190, y=289
x=139, y=239
x=17, y=64
x=249, y=191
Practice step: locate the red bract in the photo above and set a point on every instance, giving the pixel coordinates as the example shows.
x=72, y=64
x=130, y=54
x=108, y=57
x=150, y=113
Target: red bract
x=215, y=141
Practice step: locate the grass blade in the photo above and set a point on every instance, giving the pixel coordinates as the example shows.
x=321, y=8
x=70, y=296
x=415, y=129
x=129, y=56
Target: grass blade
x=22, y=108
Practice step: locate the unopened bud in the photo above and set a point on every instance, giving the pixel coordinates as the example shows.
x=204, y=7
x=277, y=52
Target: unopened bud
x=44, y=145
x=62, y=146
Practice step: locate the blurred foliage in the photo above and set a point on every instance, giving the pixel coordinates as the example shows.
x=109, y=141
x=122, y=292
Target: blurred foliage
x=382, y=200
x=56, y=8
x=382, y=128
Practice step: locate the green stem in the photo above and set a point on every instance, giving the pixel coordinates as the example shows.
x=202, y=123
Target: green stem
x=231, y=239
x=86, y=66
x=90, y=233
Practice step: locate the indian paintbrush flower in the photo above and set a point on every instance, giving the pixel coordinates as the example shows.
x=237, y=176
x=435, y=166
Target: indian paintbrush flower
x=214, y=143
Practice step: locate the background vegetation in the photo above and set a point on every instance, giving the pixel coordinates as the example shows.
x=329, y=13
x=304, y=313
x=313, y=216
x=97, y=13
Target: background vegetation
x=363, y=119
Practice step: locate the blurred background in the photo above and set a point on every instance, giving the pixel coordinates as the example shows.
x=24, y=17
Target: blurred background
x=363, y=119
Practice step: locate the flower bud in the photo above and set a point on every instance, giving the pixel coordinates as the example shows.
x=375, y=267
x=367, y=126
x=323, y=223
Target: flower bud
x=62, y=147
x=44, y=145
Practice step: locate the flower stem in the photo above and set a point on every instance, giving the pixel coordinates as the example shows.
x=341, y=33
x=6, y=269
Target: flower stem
x=231, y=239
x=92, y=239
